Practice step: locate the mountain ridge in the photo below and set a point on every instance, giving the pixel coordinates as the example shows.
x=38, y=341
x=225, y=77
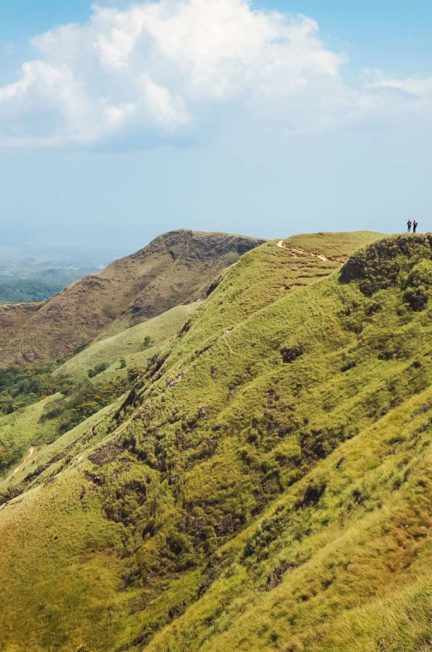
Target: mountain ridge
x=173, y=269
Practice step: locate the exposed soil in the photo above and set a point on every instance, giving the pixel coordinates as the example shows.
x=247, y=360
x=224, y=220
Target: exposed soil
x=23, y=463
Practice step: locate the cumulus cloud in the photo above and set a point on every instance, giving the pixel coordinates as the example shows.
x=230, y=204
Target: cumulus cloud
x=155, y=68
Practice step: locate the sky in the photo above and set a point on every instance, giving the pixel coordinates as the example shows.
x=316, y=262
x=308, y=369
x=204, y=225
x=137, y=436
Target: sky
x=120, y=121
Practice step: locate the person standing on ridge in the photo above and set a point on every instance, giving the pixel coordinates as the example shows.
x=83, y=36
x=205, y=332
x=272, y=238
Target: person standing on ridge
x=415, y=225
x=409, y=225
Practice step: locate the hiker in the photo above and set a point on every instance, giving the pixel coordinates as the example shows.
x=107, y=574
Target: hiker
x=409, y=225
x=415, y=225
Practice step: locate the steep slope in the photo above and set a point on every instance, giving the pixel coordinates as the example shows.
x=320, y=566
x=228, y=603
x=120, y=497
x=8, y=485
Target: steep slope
x=96, y=375
x=13, y=318
x=132, y=347
x=265, y=485
x=174, y=269
x=271, y=272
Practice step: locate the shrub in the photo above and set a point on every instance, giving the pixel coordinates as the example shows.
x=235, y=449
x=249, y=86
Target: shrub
x=289, y=354
x=103, y=366
x=80, y=347
x=147, y=343
x=382, y=264
x=417, y=299
x=312, y=494
x=181, y=549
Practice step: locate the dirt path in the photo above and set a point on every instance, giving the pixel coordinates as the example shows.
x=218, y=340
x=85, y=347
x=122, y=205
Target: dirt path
x=301, y=252
x=25, y=460
x=226, y=334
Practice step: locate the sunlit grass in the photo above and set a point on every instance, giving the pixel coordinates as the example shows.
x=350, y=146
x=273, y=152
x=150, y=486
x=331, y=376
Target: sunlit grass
x=266, y=485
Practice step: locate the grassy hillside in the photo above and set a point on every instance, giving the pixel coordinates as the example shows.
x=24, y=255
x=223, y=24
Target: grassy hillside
x=128, y=349
x=174, y=269
x=265, y=485
x=40, y=403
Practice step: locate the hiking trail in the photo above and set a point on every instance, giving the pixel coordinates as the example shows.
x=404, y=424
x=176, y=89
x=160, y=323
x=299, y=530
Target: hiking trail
x=25, y=460
x=301, y=252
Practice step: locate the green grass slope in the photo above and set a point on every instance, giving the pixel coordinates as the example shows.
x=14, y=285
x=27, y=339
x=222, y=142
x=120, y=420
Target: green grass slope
x=21, y=431
x=38, y=404
x=133, y=345
x=265, y=485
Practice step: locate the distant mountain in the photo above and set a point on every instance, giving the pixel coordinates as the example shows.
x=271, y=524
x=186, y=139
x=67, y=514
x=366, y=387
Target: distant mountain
x=174, y=269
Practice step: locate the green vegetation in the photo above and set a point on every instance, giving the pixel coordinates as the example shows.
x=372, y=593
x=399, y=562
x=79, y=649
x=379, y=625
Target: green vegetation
x=125, y=350
x=99, y=369
x=79, y=402
x=265, y=484
x=38, y=408
x=73, y=398
x=19, y=431
x=21, y=386
x=147, y=343
x=35, y=289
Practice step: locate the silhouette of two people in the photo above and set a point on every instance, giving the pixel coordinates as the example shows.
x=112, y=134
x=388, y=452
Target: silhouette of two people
x=412, y=225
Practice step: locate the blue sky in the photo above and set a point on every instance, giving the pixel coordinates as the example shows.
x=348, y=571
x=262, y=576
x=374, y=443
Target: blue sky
x=337, y=136
x=391, y=33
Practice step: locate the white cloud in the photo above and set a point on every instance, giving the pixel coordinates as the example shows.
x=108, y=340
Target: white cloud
x=412, y=87
x=156, y=68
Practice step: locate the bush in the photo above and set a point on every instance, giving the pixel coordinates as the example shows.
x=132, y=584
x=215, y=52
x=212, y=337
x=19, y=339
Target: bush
x=382, y=265
x=81, y=347
x=289, y=354
x=181, y=549
x=103, y=366
x=417, y=299
x=147, y=343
